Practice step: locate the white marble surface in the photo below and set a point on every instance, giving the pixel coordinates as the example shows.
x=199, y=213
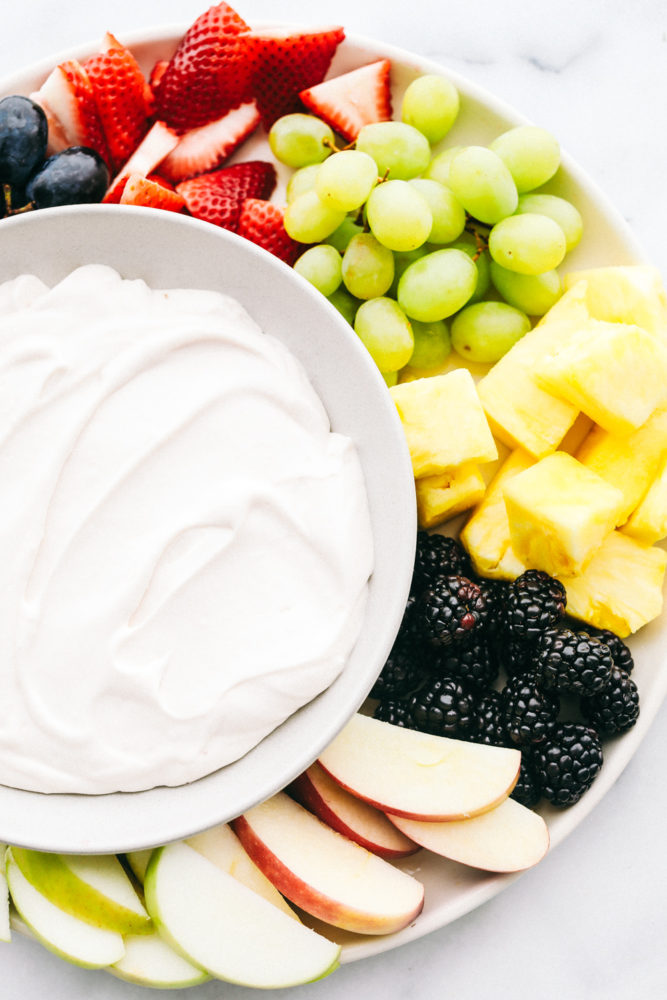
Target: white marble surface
x=590, y=922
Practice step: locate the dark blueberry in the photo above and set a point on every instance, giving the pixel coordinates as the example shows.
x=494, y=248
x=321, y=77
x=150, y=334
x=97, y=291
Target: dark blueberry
x=23, y=136
x=76, y=176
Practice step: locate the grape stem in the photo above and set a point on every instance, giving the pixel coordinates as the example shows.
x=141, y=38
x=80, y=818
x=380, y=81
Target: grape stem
x=7, y=196
x=481, y=234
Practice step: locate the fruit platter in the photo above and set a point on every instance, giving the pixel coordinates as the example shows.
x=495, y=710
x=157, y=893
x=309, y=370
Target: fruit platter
x=499, y=295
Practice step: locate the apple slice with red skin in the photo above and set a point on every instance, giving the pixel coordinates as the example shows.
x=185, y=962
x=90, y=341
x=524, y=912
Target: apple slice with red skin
x=354, y=818
x=324, y=873
x=508, y=838
x=419, y=776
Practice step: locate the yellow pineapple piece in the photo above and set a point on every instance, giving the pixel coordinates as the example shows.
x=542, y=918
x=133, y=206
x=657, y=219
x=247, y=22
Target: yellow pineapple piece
x=559, y=512
x=444, y=423
x=621, y=588
x=626, y=294
x=649, y=521
x=577, y=434
x=440, y=498
x=616, y=373
x=629, y=463
x=486, y=536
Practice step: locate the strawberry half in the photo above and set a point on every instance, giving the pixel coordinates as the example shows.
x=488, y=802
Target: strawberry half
x=69, y=103
x=352, y=100
x=207, y=147
x=208, y=74
x=151, y=193
x=261, y=222
x=284, y=65
x=122, y=96
x=157, y=73
x=217, y=197
x=151, y=151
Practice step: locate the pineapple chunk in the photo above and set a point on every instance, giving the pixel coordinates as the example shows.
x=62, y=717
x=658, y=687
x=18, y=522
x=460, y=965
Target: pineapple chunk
x=649, y=521
x=577, y=434
x=444, y=423
x=629, y=463
x=440, y=498
x=621, y=588
x=592, y=372
x=486, y=536
x=559, y=512
x=625, y=294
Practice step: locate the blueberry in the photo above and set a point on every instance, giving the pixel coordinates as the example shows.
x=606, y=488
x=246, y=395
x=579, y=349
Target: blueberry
x=73, y=177
x=23, y=135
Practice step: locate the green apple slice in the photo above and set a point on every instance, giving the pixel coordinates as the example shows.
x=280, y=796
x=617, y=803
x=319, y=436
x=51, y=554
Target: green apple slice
x=5, y=930
x=224, y=927
x=60, y=932
x=138, y=862
x=149, y=961
x=93, y=888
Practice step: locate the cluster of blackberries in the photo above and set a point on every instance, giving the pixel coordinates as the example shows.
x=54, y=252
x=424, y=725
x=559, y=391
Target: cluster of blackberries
x=500, y=663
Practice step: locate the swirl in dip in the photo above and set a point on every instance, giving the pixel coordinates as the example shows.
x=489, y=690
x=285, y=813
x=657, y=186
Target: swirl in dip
x=185, y=545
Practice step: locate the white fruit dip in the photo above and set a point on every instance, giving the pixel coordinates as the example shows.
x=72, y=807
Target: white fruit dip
x=185, y=545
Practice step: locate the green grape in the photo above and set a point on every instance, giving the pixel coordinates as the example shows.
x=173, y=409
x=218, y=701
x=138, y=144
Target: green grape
x=345, y=180
x=399, y=216
x=322, y=267
x=532, y=293
x=449, y=216
x=532, y=155
x=431, y=104
x=437, y=286
x=402, y=260
x=368, y=267
x=468, y=244
x=485, y=331
x=299, y=140
x=438, y=168
x=391, y=378
x=561, y=211
x=301, y=180
x=397, y=148
x=341, y=237
x=483, y=184
x=528, y=244
x=385, y=331
x=433, y=345
x=307, y=220
x=345, y=303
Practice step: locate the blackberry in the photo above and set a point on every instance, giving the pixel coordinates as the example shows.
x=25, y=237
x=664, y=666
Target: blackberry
x=438, y=555
x=444, y=707
x=449, y=611
x=527, y=790
x=473, y=664
x=620, y=653
x=515, y=655
x=529, y=711
x=616, y=708
x=402, y=672
x=568, y=762
x=394, y=712
x=535, y=601
x=495, y=594
x=490, y=721
x=573, y=661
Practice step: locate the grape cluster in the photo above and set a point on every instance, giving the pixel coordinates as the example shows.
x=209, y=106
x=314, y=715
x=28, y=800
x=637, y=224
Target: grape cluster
x=457, y=249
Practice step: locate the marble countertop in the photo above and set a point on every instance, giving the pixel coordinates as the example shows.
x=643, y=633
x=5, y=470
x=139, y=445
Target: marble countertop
x=589, y=923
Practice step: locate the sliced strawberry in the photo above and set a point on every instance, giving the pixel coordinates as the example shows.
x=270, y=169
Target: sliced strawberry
x=157, y=73
x=217, y=197
x=208, y=74
x=207, y=147
x=355, y=99
x=261, y=222
x=69, y=102
x=283, y=65
x=122, y=96
x=151, y=151
x=151, y=193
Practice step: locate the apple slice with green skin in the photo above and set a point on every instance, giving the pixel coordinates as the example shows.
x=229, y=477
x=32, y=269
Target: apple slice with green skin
x=506, y=839
x=228, y=930
x=93, y=888
x=324, y=873
x=138, y=862
x=419, y=776
x=60, y=932
x=354, y=818
x=223, y=848
x=150, y=961
x=5, y=929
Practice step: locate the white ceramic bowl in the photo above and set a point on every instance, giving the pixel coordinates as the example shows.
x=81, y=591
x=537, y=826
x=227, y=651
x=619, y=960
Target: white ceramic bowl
x=172, y=251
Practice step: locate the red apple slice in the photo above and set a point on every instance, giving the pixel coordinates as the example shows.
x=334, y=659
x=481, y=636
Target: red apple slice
x=419, y=776
x=506, y=839
x=324, y=873
x=354, y=818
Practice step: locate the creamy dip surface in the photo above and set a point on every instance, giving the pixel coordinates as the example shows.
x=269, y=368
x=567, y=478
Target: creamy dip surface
x=185, y=545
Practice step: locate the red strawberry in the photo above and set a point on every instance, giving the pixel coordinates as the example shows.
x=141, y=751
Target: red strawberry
x=157, y=73
x=152, y=193
x=151, y=151
x=69, y=103
x=122, y=96
x=284, y=65
x=205, y=148
x=355, y=99
x=207, y=75
x=261, y=222
x=217, y=197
